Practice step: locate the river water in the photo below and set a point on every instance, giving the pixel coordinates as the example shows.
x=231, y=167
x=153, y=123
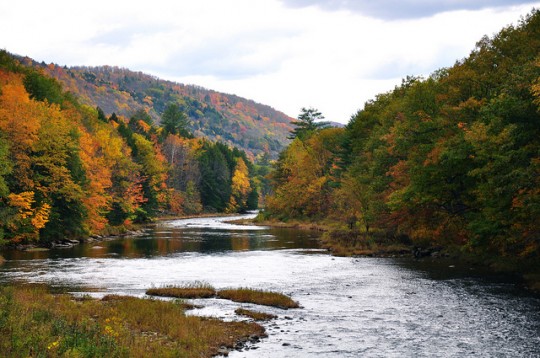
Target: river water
x=351, y=307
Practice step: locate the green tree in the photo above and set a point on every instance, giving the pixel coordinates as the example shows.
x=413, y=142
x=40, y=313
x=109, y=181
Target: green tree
x=309, y=121
x=174, y=121
x=215, y=187
x=41, y=88
x=101, y=115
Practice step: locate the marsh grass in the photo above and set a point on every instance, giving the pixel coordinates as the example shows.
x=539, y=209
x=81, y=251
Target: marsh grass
x=257, y=316
x=34, y=322
x=194, y=290
x=260, y=297
x=243, y=295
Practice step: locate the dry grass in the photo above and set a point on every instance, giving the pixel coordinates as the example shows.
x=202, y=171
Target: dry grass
x=257, y=316
x=260, y=297
x=290, y=224
x=196, y=290
x=245, y=295
x=34, y=322
x=353, y=243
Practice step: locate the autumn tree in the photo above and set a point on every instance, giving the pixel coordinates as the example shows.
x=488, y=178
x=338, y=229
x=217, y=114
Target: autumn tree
x=240, y=187
x=447, y=160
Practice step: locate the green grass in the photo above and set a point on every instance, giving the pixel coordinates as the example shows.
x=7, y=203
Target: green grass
x=257, y=316
x=260, y=297
x=195, y=290
x=34, y=322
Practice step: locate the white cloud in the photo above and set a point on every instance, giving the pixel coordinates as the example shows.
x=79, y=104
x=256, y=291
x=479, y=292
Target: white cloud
x=263, y=50
x=404, y=9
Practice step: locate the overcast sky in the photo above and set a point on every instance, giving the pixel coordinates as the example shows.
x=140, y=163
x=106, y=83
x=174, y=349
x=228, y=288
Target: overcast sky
x=332, y=55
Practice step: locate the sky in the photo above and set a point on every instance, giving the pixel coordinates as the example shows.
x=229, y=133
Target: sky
x=333, y=55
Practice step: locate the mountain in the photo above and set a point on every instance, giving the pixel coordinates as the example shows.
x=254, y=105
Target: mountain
x=236, y=121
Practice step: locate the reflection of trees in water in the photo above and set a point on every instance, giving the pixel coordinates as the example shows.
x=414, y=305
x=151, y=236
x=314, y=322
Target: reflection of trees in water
x=240, y=243
x=164, y=241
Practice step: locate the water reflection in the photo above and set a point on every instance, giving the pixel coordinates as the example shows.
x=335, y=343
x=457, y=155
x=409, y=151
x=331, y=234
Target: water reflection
x=171, y=237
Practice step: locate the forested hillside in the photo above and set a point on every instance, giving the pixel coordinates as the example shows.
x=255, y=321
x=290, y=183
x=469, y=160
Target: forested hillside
x=245, y=124
x=67, y=170
x=453, y=159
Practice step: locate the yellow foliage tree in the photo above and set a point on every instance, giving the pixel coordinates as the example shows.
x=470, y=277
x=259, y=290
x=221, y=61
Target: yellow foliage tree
x=240, y=187
x=26, y=219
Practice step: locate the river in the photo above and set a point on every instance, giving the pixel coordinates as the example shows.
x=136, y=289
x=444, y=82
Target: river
x=351, y=307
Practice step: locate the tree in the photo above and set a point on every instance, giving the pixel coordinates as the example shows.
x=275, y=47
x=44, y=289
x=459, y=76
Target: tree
x=240, y=187
x=101, y=114
x=215, y=178
x=174, y=121
x=309, y=121
x=41, y=88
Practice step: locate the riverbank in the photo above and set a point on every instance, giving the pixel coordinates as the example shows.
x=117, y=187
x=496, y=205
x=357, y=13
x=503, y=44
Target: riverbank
x=350, y=243
x=36, y=322
x=345, y=243
x=109, y=233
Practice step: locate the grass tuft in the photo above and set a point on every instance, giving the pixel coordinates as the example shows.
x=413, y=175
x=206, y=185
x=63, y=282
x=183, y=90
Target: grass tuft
x=195, y=290
x=260, y=297
x=257, y=316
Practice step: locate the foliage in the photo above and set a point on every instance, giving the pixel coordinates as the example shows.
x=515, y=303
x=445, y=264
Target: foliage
x=67, y=171
x=43, y=88
x=174, y=121
x=448, y=160
x=235, y=121
x=309, y=121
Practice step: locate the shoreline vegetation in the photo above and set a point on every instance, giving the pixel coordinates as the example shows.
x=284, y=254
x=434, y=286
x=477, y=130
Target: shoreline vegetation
x=35, y=322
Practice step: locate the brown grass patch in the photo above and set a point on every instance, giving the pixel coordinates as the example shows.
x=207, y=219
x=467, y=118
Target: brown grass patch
x=257, y=316
x=260, y=297
x=196, y=290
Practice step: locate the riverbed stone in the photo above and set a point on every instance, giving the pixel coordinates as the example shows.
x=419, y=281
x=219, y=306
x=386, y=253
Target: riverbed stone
x=224, y=351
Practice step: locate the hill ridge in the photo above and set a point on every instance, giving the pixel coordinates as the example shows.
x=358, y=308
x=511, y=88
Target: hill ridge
x=239, y=122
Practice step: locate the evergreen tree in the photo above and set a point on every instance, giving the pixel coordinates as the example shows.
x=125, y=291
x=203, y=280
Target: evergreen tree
x=309, y=121
x=174, y=121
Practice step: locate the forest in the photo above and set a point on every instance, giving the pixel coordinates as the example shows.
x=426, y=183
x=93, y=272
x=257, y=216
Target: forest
x=448, y=160
x=232, y=120
x=67, y=170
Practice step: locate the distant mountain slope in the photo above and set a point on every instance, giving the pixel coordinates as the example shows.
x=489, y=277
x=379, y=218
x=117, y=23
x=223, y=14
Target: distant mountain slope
x=239, y=122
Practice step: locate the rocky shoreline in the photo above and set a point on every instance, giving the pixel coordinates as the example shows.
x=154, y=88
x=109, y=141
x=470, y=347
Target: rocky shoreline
x=69, y=243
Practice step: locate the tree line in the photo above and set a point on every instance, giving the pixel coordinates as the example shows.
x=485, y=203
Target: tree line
x=453, y=159
x=68, y=170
